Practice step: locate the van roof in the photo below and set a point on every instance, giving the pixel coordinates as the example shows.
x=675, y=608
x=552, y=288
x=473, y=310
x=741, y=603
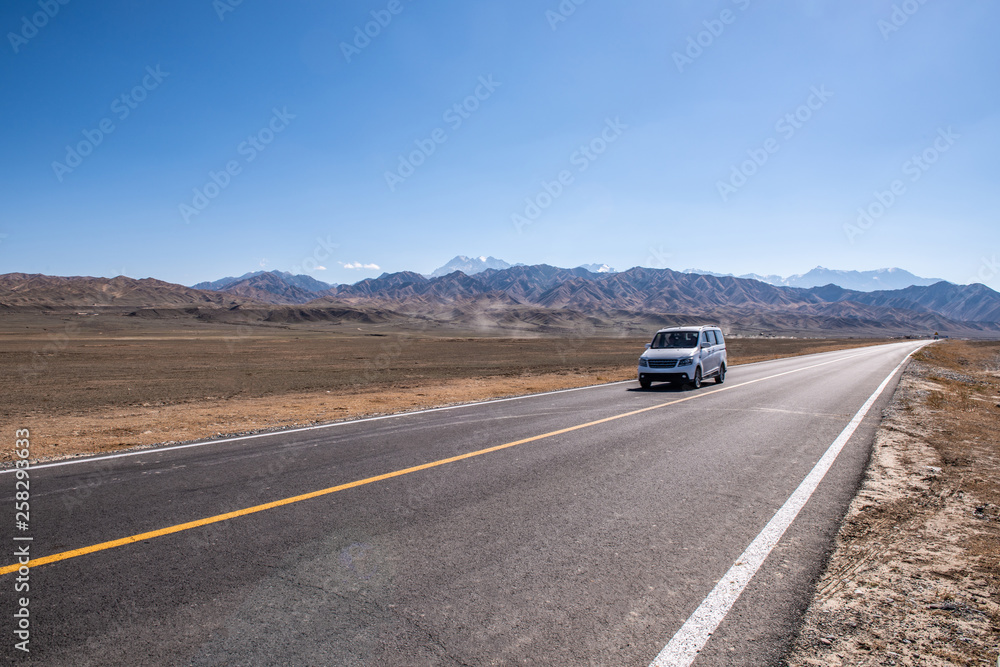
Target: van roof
x=701, y=327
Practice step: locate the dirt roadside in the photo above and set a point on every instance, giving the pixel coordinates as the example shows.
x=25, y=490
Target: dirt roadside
x=914, y=578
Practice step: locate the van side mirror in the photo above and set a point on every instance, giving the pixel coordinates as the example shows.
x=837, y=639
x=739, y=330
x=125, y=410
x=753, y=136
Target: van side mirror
x=649, y=345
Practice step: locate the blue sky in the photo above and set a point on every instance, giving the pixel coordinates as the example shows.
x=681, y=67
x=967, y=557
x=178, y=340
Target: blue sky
x=734, y=136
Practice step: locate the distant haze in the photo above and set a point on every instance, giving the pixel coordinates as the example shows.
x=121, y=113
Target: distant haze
x=862, y=281
x=470, y=266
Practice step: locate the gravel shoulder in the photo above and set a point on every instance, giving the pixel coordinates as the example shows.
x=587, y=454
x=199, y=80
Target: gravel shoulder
x=914, y=578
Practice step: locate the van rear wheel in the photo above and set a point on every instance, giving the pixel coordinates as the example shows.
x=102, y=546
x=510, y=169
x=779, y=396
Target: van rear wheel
x=721, y=377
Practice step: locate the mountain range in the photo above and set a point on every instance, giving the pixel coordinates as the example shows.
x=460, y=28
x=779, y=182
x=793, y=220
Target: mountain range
x=665, y=291
x=469, y=266
x=280, y=286
x=532, y=298
x=861, y=281
x=274, y=287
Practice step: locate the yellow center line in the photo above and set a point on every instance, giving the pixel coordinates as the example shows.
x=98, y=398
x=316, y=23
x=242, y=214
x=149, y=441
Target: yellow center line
x=66, y=555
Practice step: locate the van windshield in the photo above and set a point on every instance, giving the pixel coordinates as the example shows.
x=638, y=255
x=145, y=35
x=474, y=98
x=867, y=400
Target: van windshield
x=669, y=339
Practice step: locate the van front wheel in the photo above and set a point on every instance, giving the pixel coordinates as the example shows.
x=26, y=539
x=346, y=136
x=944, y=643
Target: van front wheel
x=696, y=382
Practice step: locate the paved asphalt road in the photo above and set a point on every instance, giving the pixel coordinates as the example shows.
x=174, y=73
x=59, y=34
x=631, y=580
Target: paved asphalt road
x=589, y=547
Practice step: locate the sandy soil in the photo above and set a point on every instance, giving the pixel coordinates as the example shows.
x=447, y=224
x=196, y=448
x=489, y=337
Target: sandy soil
x=915, y=575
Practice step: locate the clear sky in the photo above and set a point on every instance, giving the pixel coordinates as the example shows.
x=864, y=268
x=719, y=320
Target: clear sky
x=195, y=139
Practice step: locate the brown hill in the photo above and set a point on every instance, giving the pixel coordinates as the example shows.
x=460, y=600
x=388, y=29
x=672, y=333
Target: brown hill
x=959, y=302
x=269, y=288
x=41, y=291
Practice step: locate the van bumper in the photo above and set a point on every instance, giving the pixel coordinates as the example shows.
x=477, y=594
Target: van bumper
x=664, y=377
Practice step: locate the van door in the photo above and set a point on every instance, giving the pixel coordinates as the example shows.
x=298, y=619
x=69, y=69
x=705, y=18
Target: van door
x=720, y=352
x=709, y=354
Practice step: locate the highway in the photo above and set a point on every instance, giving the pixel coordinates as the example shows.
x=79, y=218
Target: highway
x=583, y=527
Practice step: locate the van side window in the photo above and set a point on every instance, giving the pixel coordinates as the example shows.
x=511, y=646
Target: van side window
x=710, y=337
x=719, y=338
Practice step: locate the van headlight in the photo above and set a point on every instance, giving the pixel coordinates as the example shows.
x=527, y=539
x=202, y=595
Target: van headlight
x=686, y=361
x=643, y=362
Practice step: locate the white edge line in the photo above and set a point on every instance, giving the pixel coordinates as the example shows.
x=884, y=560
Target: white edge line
x=203, y=443
x=685, y=645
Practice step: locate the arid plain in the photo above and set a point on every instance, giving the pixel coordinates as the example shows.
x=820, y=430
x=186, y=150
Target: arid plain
x=101, y=383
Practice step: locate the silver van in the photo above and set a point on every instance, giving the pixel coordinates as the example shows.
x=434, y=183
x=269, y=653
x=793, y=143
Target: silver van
x=682, y=355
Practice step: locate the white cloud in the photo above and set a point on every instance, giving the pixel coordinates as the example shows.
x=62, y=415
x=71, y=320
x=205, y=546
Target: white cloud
x=359, y=265
x=320, y=268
